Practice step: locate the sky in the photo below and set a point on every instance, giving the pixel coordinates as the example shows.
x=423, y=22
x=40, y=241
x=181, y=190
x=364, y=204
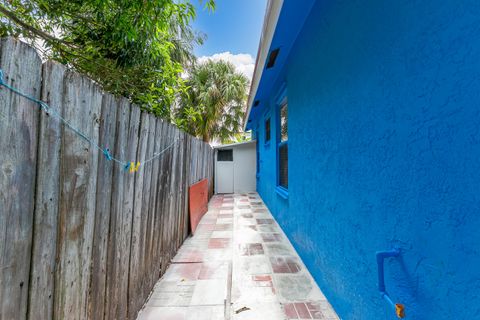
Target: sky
x=233, y=32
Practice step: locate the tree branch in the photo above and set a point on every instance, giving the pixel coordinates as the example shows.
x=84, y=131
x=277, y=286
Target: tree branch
x=11, y=15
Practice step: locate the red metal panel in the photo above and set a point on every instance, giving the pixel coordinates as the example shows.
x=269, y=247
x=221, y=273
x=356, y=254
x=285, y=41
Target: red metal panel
x=198, y=202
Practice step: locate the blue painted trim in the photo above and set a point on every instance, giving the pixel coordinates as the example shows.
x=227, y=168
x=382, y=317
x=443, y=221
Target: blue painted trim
x=282, y=192
x=282, y=93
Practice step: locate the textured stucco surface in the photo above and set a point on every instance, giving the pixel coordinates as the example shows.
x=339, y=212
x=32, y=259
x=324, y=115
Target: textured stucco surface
x=384, y=148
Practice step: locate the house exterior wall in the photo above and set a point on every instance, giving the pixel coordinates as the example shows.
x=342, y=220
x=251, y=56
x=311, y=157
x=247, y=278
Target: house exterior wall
x=384, y=148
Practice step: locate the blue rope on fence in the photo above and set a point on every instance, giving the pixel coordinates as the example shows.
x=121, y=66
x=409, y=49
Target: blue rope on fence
x=132, y=166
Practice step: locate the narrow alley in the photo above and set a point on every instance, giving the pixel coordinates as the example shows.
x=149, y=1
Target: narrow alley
x=238, y=265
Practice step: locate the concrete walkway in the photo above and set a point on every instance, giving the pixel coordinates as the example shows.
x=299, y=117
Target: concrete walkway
x=238, y=265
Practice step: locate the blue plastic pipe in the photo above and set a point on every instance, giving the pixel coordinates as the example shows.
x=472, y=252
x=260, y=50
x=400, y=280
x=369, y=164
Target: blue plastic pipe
x=381, y=255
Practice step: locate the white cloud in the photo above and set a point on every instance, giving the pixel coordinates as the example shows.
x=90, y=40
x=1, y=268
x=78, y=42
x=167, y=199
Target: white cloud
x=243, y=62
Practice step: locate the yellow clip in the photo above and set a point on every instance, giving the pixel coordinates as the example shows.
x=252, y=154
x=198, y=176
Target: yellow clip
x=400, y=310
x=133, y=167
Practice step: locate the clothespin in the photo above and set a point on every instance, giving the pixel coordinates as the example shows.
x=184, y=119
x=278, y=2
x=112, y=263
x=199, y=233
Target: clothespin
x=43, y=106
x=107, y=154
x=134, y=167
x=1, y=76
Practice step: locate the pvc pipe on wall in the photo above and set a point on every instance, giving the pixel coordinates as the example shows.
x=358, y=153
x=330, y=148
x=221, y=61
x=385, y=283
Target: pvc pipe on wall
x=381, y=255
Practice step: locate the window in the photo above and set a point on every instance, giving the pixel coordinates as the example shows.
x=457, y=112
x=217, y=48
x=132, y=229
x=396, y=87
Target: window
x=257, y=150
x=225, y=155
x=283, y=145
x=267, y=131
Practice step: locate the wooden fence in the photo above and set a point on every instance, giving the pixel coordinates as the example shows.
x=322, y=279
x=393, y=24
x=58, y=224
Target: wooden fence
x=80, y=236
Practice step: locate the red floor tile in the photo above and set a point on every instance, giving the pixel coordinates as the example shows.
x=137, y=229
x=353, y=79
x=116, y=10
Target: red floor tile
x=210, y=270
x=223, y=227
x=302, y=311
x=284, y=265
x=265, y=221
x=262, y=278
x=218, y=243
x=251, y=249
x=271, y=237
x=186, y=271
x=263, y=281
x=192, y=255
x=290, y=311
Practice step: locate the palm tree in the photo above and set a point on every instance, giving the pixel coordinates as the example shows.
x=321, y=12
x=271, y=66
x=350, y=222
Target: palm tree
x=214, y=103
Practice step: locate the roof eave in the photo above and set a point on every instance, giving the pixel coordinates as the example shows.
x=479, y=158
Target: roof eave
x=272, y=15
x=231, y=145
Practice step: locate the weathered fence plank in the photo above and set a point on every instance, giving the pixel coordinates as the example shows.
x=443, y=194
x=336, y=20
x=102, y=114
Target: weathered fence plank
x=146, y=213
x=188, y=159
x=134, y=288
x=121, y=214
x=78, y=177
x=165, y=195
x=103, y=206
x=153, y=208
x=168, y=205
x=47, y=191
x=18, y=156
x=115, y=225
x=161, y=198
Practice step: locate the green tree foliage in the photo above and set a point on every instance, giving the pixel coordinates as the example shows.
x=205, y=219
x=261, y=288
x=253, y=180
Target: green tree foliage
x=134, y=48
x=214, y=102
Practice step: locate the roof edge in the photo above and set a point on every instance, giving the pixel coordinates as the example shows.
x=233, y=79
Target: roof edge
x=221, y=146
x=272, y=15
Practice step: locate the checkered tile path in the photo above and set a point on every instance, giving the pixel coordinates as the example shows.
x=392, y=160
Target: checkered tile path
x=238, y=265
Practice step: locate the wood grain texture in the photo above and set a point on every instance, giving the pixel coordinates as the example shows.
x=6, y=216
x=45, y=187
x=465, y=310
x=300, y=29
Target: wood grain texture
x=107, y=137
x=160, y=204
x=18, y=157
x=41, y=291
x=134, y=288
x=144, y=286
x=118, y=252
x=78, y=177
x=153, y=208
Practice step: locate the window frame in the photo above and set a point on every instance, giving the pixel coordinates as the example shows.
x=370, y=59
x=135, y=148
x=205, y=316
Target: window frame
x=266, y=142
x=281, y=101
x=225, y=150
x=257, y=151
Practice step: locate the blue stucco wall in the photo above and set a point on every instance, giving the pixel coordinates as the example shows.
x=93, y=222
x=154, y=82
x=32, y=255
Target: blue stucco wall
x=384, y=148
